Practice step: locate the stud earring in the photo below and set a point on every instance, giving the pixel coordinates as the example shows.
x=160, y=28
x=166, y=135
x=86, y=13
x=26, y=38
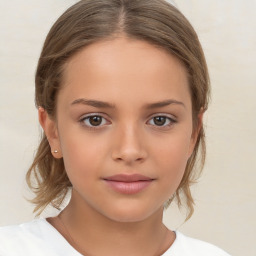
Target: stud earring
x=55, y=151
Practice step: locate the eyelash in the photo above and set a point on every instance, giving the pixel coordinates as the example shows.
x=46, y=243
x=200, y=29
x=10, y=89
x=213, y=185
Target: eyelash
x=171, y=120
x=89, y=126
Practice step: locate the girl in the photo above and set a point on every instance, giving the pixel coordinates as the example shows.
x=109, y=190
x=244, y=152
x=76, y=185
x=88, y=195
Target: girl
x=121, y=88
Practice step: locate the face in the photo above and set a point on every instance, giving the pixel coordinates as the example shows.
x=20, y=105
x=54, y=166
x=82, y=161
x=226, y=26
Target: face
x=124, y=127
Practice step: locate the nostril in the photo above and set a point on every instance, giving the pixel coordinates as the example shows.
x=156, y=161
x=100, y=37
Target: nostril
x=129, y=158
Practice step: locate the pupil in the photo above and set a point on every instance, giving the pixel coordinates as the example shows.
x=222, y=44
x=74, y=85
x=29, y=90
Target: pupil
x=95, y=120
x=159, y=120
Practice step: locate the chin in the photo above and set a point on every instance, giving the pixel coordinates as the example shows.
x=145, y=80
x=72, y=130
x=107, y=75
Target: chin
x=129, y=214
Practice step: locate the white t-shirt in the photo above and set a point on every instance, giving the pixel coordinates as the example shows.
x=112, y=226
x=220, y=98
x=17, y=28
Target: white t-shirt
x=40, y=238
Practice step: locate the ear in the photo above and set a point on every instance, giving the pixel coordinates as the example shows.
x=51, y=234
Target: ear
x=196, y=132
x=50, y=129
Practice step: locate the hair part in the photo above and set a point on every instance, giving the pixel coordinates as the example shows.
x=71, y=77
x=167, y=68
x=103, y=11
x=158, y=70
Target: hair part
x=89, y=21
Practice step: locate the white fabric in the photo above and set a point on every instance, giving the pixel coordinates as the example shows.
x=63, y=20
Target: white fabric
x=40, y=238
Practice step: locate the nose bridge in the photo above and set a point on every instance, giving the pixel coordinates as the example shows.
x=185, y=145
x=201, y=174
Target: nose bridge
x=129, y=146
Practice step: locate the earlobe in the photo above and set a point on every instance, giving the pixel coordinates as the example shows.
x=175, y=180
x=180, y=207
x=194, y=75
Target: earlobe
x=50, y=129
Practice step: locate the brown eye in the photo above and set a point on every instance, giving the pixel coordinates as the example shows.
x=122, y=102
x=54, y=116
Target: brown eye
x=162, y=121
x=159, y=120
x=95, y=120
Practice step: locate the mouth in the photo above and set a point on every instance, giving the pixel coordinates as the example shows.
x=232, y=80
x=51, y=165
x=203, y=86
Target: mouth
x=128, y=184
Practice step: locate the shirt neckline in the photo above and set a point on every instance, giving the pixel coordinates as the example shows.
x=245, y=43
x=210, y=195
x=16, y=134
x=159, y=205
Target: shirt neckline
x=67, y=244
x=59, y=236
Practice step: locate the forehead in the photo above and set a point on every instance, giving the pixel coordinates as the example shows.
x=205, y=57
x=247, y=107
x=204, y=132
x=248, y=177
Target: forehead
x=125, y=68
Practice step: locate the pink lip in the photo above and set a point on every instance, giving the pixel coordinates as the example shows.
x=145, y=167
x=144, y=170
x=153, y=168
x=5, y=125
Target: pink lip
x=128, y=184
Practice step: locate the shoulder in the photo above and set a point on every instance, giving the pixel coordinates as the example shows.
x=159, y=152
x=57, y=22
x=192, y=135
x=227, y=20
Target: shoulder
x=187, y=246
x=26, y=236
x=37, y=237
x=18, y=232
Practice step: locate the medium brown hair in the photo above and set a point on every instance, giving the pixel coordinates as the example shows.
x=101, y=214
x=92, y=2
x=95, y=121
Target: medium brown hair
x=86, y=22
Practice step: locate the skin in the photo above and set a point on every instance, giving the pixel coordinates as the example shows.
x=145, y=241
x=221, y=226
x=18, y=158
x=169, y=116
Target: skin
x=129, y=75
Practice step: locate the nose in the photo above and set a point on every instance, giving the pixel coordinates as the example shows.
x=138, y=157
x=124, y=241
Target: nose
x=129, y=146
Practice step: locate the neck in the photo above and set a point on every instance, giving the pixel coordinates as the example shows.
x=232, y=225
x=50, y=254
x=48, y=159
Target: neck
x=89, y=229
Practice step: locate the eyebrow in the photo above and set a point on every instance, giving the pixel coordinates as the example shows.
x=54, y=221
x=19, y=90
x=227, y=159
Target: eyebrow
x=93, y=103
x=102, y=104
x=164, y=103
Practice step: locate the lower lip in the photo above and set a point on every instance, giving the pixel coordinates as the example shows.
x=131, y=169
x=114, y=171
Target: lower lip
x=128, y=187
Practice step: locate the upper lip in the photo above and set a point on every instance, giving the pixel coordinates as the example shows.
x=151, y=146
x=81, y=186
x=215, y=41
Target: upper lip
x=128, y=178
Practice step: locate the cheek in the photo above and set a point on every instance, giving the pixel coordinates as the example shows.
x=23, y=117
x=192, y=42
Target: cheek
x=173, y=154
x=82, y=156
